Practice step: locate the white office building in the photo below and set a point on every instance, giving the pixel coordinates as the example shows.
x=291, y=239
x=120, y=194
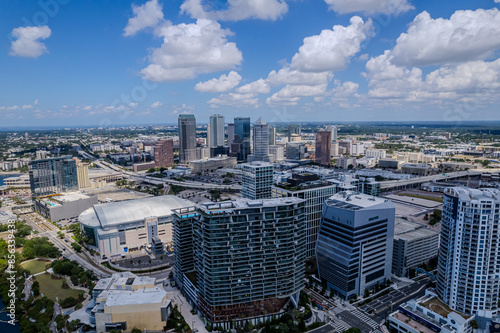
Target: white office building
x=257, y=180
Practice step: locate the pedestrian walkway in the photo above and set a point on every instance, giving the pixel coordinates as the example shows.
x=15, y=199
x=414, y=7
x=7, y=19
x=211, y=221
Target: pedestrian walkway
x=339, y=325
x=373, y=324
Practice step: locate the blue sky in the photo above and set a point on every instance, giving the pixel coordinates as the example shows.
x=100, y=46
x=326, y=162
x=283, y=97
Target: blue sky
x=68, y=62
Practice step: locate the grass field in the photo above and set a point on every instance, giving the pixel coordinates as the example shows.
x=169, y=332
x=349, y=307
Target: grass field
x=35, y=266
x=426, y=197
x=52, y=288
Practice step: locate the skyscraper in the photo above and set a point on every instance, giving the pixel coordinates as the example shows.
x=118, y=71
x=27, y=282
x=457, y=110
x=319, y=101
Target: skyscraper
x=295, y=150
x=53, y=175
x=333, y=129
x=260, y=142
x=82, y=172
x=469, y=251
x=257, y=180
x=242, y=137
x=293, y=129
x=187, y=138
x=242, y=259
x=355, y=242
x=230, y=134
x=323, y=147
x=216, y=130
x=272, y=136
x=164, y=153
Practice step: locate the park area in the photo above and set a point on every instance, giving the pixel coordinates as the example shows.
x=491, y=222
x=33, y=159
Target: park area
x=53, y=288
x=35, y=266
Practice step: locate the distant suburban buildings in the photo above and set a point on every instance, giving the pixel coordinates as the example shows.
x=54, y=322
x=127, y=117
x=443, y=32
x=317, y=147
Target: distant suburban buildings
x=126, y=301
x=241, y=260
x=323, y=147
x=414, y=244
x=355, y=243
x=260, y=142
x=164, y=153
x=53, y=175
x=116, y=228
x=217, y=133
x=187, y=138
x=468, y=266
x=257, y=180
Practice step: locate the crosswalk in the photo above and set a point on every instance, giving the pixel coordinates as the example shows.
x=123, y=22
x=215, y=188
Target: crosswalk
x=372, y=323
x=339, y=326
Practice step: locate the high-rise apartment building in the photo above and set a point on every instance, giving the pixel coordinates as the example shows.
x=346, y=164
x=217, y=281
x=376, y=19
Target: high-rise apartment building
x=239, y=260
x=53, y=175
x=187, y=138
x=355, y=242
x=323, y=147
x=216, y=130
x=315, y=193
x=164, y=153
x=260, y=142
x=293, y=129
x=241, y=138
x=257, y=180
x=82, y=172
x=469, y=252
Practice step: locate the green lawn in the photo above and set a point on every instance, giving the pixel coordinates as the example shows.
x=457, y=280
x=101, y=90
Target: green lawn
x=52, y=288
x=35, y=266
x=426, y=197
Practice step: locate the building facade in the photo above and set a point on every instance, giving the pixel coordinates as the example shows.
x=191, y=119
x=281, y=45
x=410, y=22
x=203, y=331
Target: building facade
x=164, y=153
x=260, y=142
x=242, y=260
x=272, y=136
x=323, y=147
x=355, y=242
x=257, y=180
x=53, y=175
x=314, y=194
x=216, y=130
x=241, y=143
x=187, y=138
x=295, y=151
x=293, y=129
x=469, y=252
x=277, y=153
x=414, y=244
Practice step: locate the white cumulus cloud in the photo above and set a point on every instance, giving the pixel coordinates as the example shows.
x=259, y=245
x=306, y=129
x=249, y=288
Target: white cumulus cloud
x=223, y=84
x=236, y=10
x=27, y=43
x=259, y=86
x=467, y=35
x=235, y=99
x=370, y=7
x=191, y=49
x=332, y=49
x=156, y=105
x=148, y=15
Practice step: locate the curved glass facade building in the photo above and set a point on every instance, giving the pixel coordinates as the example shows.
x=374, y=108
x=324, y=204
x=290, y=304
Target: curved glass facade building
x=468, y=278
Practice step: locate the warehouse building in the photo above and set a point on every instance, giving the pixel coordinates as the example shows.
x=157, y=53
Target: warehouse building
x=58, y=207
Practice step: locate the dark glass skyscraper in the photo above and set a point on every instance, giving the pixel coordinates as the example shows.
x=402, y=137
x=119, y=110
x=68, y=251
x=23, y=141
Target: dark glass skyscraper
x=242, y=136
x=53, y=175
x=187, y=138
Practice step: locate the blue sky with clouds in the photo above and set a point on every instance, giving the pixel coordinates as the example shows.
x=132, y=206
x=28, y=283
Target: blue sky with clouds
x=68, y=62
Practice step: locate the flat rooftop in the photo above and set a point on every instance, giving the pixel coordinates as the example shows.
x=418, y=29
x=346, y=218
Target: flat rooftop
x=111, y=193
x=133, y=297
x=404, y=319
x=436, y=305
x=247, y=203
x=354, y=201
x=407, y=230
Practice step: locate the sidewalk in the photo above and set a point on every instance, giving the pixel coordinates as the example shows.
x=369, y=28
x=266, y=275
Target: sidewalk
x=192, y=320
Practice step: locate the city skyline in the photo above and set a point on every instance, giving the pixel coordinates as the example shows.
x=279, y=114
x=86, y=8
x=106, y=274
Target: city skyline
x=100, y=64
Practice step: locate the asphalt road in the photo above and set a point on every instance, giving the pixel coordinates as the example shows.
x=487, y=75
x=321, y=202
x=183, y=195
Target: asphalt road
x=382, y=306
x=327, y=328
